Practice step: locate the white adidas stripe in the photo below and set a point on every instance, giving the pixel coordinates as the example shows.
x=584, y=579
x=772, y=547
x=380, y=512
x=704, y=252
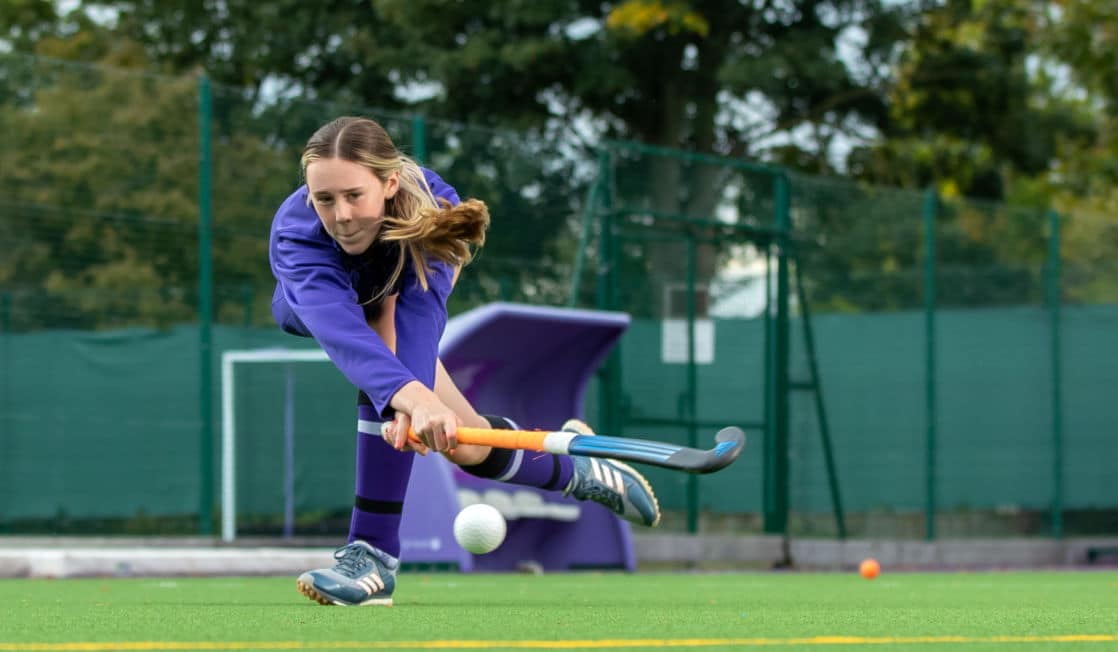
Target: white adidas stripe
x=371, y=583
x=596, y=467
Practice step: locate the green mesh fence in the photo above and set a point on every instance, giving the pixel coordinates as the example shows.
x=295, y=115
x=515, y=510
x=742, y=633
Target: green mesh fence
x=927, y=351
x=930, y=368
x=295, y=442
x=859, y=253
x=993, y=435
x=676, y=235
x=1088, y=327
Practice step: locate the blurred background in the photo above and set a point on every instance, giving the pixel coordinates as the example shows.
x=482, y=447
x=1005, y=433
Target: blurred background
x=881, y=236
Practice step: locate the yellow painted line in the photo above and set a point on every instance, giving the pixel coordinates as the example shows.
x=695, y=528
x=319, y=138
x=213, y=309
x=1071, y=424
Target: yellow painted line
x=96, y=646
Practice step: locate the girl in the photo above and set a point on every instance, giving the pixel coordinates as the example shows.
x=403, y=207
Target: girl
x=365, y=255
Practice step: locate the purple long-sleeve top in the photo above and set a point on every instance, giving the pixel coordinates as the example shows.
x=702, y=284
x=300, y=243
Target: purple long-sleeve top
x=315, y=297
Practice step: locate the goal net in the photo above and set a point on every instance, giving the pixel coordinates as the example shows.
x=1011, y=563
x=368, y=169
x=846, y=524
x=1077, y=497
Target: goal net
x=287, y=443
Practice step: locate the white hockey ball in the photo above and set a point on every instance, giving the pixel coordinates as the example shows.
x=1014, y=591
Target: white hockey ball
x=480, y=528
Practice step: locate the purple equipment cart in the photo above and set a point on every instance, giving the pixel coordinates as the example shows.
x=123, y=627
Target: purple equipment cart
x=531, y=364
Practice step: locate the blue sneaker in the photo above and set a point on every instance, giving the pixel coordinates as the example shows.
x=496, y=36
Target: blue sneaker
x=614, y=484
x=363, y=575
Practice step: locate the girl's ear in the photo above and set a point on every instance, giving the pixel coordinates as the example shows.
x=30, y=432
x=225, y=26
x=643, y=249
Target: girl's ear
x=392, y=185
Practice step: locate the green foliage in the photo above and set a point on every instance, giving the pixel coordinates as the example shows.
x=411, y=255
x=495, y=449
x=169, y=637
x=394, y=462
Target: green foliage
x=1083, y=34
x=965, y=114
x=328, y=48
x=23, y=22
x=96, y=160
x=998, y=99
x=682, y=73
x=100, y=198
x=1083, y=182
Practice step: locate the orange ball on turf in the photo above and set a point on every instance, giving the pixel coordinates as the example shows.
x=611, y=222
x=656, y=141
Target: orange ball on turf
x=869, y=569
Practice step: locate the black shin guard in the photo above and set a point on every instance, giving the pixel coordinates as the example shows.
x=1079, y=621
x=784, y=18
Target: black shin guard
x=498, y=459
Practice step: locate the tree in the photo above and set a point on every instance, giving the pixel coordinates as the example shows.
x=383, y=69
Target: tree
x=761, y=79
x=966, y=114
x=1081, y=35
x=98, y=185
x=978, y=112
x=23, y=22
x=715, y=76
x=791, y=82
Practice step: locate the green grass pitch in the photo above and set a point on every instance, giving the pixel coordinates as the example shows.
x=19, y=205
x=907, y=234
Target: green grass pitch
x=783, y=610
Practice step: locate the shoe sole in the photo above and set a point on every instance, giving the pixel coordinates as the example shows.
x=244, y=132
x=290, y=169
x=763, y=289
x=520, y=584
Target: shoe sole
x=581, y=428
x=307, y=589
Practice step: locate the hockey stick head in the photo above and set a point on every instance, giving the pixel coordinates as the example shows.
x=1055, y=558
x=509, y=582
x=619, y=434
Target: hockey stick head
x=729, y=444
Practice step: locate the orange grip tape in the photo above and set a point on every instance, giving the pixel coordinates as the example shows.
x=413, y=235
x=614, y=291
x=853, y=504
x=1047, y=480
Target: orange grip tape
x=531, y=440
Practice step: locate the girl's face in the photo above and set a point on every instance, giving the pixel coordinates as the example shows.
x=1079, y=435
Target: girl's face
x=349, y=199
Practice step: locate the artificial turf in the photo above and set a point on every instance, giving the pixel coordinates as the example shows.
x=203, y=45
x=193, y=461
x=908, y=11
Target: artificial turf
x=786, y=610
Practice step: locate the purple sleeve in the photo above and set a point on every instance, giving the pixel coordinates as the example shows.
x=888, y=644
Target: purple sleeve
x=421, y=318
x=440, y=188
x=314, y=296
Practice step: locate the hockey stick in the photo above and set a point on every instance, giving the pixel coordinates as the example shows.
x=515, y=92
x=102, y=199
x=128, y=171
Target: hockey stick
x=729, y=444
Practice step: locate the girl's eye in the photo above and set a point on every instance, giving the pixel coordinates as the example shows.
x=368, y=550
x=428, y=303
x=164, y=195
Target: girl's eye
x=324, y=201
x=354, y=196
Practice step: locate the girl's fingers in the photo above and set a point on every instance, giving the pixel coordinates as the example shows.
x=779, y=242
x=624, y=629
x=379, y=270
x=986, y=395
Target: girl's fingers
x=451, y=436
x=436, y=431
x=402, y=425
x=400, y=440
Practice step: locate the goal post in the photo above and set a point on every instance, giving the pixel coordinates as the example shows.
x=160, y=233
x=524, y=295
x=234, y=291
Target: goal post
x=229, y=360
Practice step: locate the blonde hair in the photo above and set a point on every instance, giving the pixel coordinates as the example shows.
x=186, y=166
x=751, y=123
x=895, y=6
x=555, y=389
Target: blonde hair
x=424, y=227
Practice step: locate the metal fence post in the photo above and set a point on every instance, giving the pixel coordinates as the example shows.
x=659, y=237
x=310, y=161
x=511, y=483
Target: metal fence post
x=931, y=205
x=609, y=375
x=205, y=311
x=5, y=373
x=588, y=212
x=776, y=483
x=1053, y=278
x=692, y=385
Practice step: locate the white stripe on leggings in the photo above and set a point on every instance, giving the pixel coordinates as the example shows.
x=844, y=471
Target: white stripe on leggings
x=517, y=459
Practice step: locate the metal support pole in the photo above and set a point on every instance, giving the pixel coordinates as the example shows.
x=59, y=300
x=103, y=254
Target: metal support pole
x=816, y=385
x=1054, y=315
x=289, y=452
x=609, y=391
x=931, y=205
x=692, y=386
x=776, y=449
x=767, y=490
x=588, y=212
x=205, y=312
